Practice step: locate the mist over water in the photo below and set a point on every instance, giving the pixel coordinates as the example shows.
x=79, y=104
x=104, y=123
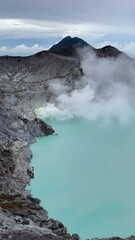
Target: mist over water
x=85, y=174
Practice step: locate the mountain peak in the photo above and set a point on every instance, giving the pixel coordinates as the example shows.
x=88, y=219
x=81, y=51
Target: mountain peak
x=69, y=41
x=67, y=37
x=108, y=51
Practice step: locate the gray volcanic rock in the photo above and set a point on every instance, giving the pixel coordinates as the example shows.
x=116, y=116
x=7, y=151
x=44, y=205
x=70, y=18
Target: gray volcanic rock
x=19, y=75
x=21, y=215
x=23, y=87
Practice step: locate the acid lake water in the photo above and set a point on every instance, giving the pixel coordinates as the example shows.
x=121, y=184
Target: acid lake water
x=85, y=177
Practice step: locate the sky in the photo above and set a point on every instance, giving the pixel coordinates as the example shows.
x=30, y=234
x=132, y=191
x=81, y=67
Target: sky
x=30, y=26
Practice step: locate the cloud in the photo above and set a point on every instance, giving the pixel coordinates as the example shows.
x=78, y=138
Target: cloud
x=70, y=11
x=89, y=19
x=32, y=29
x=19, y=29
x=22, y=50
x=129, y=48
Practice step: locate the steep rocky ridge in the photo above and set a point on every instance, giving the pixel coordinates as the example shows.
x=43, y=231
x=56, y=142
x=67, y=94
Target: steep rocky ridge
x=23, y=87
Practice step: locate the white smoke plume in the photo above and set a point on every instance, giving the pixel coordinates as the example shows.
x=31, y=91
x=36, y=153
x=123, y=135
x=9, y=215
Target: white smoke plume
x=107, y=91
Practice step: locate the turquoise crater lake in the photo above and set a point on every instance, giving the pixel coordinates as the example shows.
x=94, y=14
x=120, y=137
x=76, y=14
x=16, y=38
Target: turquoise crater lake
x=85, y=177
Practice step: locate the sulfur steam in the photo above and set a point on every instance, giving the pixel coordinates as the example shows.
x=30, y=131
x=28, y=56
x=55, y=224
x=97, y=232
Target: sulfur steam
x=105, y=92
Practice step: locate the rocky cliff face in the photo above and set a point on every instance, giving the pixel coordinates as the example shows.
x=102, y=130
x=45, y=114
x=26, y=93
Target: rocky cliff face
x=23, y=87
x=21, y=216
x=19, y=75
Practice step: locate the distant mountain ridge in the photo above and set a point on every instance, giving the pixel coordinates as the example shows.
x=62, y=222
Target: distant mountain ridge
x=38, y=69
x=68, y=47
